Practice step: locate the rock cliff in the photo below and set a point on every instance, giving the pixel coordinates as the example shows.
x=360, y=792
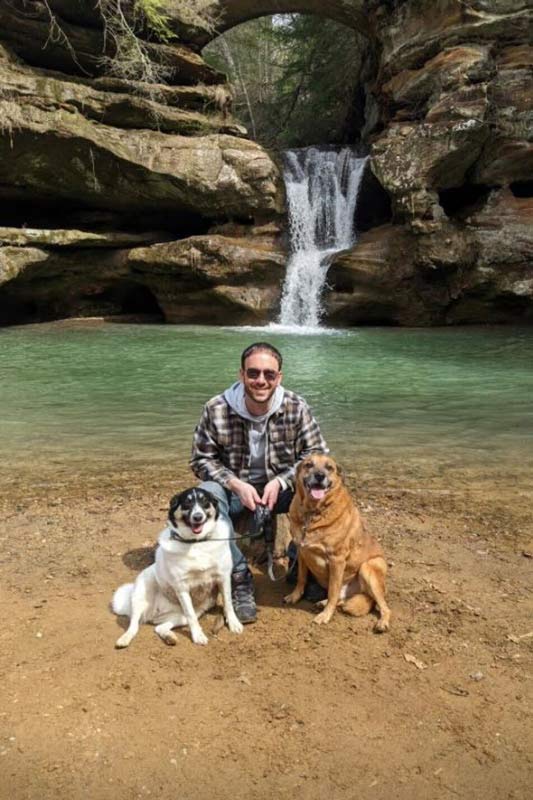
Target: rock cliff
x=452, y=146
x=97, y=171
x=121, y=196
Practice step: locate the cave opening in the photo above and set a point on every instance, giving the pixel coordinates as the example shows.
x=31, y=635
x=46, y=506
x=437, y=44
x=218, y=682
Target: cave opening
x=522, y=188
x=123, y=301
x=126, y=299
x=374, y=207
x=40, y=214
x=460, y=201
x=16, y=310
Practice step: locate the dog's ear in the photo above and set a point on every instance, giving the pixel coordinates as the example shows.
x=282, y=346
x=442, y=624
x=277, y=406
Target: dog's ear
x=340, y=472
x=173, y=505
x=298, y=480
x=214, y=500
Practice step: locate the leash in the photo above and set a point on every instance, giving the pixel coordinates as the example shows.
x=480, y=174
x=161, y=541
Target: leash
x=176, y=535
x=270, y=554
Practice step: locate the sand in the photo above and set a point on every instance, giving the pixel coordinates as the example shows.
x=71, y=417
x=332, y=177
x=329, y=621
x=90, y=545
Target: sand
x=439, y=707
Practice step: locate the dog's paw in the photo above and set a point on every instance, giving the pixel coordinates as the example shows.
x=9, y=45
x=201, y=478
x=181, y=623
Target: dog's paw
x=199, y=637
x=321, y=603
x=122, y=642
x=292, y=598
x=323, y=618
x=382, y=626
x=169, y=638
x=235, y=626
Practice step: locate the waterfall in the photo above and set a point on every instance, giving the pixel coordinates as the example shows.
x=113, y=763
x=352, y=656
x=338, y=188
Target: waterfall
x=322, y=188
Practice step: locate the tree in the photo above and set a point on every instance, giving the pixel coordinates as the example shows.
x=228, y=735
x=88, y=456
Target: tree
x=294, y=78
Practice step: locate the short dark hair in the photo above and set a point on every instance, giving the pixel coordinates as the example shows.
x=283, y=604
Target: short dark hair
x=259, y=347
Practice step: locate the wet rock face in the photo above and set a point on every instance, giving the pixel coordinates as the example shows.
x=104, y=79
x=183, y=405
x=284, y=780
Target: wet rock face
x=453, y=149
x=117, y=195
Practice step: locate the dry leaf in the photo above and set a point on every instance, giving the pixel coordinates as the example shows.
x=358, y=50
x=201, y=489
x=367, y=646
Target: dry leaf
x=416, y=661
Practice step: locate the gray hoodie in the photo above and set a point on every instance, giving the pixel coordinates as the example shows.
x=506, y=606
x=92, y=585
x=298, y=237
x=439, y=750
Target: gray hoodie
x=236, y=399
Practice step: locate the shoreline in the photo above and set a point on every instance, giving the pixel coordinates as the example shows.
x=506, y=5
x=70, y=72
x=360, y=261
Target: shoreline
x=501, y=478
x=147, y=320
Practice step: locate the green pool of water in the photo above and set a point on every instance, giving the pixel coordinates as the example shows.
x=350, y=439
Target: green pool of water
x=104, y=395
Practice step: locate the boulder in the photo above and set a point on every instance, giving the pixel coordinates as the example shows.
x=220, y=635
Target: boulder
x=413, y=161
x=210, y=279
x=477, y=269
x=503, y=230
x=371, y=283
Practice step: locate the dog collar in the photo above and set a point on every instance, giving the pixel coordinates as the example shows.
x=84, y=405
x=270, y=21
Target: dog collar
x=175, y=534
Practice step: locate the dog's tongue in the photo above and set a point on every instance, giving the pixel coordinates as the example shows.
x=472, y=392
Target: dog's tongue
x=197, y=528
x=318, y=494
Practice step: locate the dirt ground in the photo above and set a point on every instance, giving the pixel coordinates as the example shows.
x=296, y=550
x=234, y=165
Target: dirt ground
x=439, y=707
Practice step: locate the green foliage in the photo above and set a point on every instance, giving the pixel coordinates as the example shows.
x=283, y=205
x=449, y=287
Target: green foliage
x=131, y=59
x=295, y=78
x=152, y=13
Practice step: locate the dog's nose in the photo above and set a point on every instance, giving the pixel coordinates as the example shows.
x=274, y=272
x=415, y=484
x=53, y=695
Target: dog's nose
x=197, y=517
x=320, y=476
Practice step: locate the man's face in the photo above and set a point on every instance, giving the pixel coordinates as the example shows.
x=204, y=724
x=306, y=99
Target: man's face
x=260, y=377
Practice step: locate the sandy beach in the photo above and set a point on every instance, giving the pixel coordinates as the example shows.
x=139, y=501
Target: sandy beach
x=439, y=707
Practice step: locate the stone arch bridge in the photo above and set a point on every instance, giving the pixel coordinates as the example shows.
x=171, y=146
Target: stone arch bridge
x=347, y=12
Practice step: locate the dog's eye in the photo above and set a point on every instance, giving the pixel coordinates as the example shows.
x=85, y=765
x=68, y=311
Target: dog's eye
x=329, y=467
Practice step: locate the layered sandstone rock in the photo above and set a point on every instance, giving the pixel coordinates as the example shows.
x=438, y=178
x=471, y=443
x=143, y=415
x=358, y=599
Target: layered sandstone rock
x=455, y=155
x=209, y=279
x=93, y=166
x=83, y=155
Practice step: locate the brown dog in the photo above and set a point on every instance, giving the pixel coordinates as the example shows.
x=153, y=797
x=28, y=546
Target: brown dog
x=333, y=545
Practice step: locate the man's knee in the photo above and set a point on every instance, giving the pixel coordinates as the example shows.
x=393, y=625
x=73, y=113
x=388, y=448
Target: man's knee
x=218, y=492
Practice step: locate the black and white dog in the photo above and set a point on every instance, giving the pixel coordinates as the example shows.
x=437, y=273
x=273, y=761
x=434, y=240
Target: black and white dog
x=192, y=564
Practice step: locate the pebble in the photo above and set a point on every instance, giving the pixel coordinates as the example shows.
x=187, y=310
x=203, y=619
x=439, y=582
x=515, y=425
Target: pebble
x=476, y=676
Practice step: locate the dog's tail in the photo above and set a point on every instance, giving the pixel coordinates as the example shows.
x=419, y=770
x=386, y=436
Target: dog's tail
x=121, y=602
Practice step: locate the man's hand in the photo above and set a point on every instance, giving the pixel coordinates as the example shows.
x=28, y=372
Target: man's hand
x=245, y=492
x=270, y=493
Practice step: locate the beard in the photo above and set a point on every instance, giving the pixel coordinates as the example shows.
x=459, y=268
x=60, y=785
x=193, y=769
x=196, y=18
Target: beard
x=262, y=396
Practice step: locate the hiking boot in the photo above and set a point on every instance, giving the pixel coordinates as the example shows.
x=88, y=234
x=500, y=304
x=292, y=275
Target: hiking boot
x=242, y=595
x=314, y=592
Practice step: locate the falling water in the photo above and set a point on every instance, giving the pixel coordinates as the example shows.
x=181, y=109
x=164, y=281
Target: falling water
x=322, y=188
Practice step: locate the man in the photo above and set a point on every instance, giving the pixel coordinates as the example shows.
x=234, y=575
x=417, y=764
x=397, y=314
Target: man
x=245, y=449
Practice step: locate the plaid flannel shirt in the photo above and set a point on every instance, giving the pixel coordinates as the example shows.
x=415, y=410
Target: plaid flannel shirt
x=220, y=449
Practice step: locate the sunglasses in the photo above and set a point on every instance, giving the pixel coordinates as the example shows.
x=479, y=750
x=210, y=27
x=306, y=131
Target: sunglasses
x=270, y=375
